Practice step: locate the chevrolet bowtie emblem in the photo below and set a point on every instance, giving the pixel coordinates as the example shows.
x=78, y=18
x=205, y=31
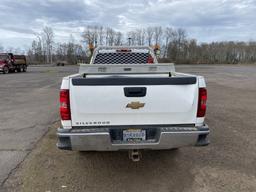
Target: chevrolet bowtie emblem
x=135, y=105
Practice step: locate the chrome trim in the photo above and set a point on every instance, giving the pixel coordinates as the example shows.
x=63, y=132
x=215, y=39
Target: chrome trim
x=171, y=137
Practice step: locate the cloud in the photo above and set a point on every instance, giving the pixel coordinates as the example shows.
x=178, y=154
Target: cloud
x=210, y=20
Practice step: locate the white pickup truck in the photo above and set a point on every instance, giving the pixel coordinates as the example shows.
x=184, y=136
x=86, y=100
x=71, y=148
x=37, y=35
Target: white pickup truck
x=125, y=100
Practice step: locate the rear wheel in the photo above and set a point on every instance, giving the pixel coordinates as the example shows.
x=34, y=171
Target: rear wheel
x=24, y=68
x=6, y=70
x=19, y=69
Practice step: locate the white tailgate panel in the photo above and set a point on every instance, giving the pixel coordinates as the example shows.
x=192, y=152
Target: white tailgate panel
x=164, y=104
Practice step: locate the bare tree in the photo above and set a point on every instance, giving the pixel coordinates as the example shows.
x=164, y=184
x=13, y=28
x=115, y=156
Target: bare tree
x=48, y=38
x=118, y=38
x=149, y=35
x=140, y=36
x=110, y=34
x=88, y=35
x=101, y=35
x=143, y=36
x=38, y=47
x=168, y=34
x=131, y=38
x=157, y=34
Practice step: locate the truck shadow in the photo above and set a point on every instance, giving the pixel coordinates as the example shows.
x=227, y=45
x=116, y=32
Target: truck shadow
x=164, y=170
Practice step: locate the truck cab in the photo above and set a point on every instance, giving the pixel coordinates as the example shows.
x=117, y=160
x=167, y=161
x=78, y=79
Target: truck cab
x=4, y=63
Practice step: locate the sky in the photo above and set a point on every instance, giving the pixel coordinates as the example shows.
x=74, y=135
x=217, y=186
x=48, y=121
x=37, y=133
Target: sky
x=204, y=20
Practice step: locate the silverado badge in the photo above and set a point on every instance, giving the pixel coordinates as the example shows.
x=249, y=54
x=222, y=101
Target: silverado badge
x=135, y=105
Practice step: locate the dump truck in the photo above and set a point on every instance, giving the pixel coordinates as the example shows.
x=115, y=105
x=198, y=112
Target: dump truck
x=12, y=63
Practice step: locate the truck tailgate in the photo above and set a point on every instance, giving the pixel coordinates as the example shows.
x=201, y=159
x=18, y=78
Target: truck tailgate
x=103, y=101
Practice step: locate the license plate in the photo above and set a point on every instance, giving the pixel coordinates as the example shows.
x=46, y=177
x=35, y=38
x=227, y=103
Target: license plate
x=132, y=135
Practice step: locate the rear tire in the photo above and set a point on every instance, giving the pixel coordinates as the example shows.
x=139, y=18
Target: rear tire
x=24, y=68
x=18, y=69
x=5, y=70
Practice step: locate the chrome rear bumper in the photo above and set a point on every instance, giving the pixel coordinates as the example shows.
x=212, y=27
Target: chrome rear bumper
x=100, y=139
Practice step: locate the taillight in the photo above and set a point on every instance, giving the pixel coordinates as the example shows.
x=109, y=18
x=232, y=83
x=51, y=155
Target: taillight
x=150, y=59
x=64, y=105
x=202, y=98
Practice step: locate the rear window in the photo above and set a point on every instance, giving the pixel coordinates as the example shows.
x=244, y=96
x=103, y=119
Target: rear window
x=122, y=58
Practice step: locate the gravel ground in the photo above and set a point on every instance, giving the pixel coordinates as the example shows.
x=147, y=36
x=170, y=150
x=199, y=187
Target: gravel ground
x=227, y=164
x=28, y=106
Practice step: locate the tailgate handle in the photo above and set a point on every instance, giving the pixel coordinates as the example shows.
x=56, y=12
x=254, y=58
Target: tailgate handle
x=135, y=91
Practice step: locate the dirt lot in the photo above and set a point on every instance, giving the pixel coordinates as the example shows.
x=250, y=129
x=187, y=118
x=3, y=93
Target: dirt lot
x=227, y=164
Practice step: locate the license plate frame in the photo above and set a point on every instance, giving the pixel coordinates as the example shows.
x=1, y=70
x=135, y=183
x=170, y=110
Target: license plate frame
x=134, y=135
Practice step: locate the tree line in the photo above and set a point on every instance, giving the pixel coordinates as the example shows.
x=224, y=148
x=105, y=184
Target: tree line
x=45, y=50
x=175, y=46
